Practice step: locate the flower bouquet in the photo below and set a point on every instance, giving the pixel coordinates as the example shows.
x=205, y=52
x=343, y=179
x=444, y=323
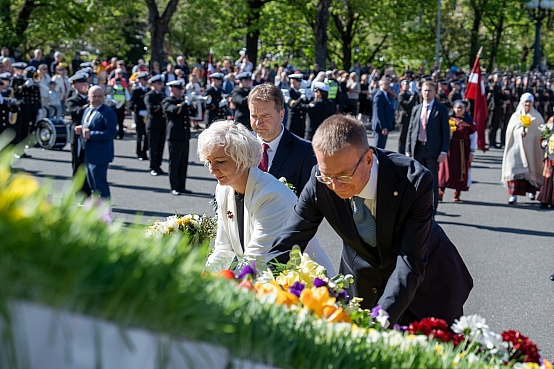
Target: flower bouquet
x=289, y=185
x=200, y=228
x=547, y=138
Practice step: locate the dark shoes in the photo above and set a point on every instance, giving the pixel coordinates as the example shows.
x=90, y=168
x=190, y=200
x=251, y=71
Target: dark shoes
x=552, y=277
x=157, y=172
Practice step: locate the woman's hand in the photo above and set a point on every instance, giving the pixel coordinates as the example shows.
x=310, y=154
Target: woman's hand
x=523, y=134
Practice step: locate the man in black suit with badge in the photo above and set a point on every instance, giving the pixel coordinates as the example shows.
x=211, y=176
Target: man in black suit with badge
x=381, y=204
x=177, y=114
x=428, y=137
x=284, y=154
x=155, y=124
x=139, y=108
x=239, y=97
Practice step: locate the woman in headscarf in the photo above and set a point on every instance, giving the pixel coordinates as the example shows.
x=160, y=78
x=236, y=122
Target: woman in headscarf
x=454, y=171
x=523, y=156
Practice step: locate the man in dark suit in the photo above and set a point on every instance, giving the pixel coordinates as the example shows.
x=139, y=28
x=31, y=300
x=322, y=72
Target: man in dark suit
x=177, y=114
x=284, y=154
x=428, y=138
x=76, y=106
x=381, y=204
x=239, y=97
x=383, y=113
x=97, y=133
x=217, y=108
x=407, y=100
x=139, y=108
x=155, y=124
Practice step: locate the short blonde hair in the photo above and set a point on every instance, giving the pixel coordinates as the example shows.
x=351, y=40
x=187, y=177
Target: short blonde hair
x=237, y=142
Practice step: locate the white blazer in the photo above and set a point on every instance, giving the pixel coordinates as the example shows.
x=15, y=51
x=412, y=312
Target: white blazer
x=267, y=205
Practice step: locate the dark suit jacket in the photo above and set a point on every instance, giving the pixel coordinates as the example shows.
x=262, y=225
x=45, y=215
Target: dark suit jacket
x=156, y=119
x=177, y=115
x=383, y=112
x=414, y=265
x=296, y=121
x=103, y=129
x=438, y=130
x=213, y=109
x=293, y=160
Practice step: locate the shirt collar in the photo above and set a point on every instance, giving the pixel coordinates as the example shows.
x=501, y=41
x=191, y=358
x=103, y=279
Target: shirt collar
x=370, y=189
x=430, y=104
x=273, y=145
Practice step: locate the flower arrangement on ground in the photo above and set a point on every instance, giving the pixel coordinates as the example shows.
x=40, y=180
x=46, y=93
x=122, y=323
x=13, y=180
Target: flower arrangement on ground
x=200, y=228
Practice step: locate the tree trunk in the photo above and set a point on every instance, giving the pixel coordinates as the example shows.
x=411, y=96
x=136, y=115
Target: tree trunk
x=158, y=27
x=322, y=20
x=496, y=39
x=474, y=36
x=253, y=29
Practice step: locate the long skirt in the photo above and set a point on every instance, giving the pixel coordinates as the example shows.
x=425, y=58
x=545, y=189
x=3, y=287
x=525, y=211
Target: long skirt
x=520, y=187
x=453, y=172
x=546, y=195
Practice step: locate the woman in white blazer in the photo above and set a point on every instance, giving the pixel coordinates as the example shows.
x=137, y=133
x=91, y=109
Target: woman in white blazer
x=246, y=195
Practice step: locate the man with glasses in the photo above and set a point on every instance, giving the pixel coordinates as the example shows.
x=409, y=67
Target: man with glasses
x=381, y=204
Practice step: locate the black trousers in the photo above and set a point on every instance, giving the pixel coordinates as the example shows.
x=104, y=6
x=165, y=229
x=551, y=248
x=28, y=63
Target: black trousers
x=28, y=120
x=422, y=155
x=403, y=136
x=496, y=119
x=178, y=164
x=156, y=139
x=120, y=113
x=142, y=137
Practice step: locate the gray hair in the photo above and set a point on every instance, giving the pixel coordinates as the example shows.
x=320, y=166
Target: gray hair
x=237, y=141
x=337, y=132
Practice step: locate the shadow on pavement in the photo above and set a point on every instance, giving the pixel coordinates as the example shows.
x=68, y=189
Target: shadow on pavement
x=528, y=232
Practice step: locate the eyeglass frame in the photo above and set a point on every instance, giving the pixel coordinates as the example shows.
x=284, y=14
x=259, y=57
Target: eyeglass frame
x=348, y=178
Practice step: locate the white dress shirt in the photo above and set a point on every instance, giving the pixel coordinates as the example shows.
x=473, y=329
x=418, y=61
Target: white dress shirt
x=273, y=145
x=369, y=192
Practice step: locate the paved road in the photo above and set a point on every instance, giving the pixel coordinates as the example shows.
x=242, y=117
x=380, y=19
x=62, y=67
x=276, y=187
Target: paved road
x=508, y=249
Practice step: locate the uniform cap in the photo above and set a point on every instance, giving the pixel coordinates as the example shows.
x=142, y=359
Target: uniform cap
x=156, y=78
x=19, y=65
x=321, y=86
x=404, y=81
x=177, y=83
x=5, y=76
x=296, y=75
x=244, y=75
x=30, y=69
x=142, y=75
x=85, y=65
x=79, y=77
x=216, y=75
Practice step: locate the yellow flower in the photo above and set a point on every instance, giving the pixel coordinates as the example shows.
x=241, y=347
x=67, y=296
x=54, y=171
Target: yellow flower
x=287, y=280
x=316, y=298
x=282, y=297
x=525, y=120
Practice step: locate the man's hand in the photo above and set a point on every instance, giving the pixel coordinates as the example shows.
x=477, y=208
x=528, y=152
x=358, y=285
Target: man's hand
x=78, y=130
x=441, y=158
x=384, y=131
x=86, y=133
x=408, y=155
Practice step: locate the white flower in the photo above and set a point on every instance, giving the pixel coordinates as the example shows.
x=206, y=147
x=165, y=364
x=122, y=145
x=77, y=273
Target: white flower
x=283, y=180
x=470, y=325
x=383, y=318
x=494, y=343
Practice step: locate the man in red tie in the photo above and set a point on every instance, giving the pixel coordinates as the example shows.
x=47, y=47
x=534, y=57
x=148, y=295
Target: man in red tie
x=428, y=137
x=284, y=154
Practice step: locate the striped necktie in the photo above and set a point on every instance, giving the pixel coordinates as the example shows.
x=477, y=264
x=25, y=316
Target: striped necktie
x=365, y=223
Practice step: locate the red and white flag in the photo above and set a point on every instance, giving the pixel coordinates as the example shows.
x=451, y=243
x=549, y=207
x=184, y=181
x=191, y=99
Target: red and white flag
x=476, y=91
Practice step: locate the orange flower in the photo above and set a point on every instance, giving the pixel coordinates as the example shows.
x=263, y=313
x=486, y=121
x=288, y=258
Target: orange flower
x=282, y=297
x=227, y=274
x=315, y=299
x=339, y=316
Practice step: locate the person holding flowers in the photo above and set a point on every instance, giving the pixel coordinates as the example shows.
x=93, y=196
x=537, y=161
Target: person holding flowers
x=546, y=194
x=252, y=205
x=523, y=156
x=454, y=171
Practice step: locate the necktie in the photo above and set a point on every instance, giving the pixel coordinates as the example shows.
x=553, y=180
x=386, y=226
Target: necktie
x=423, y=129
x=365, y=223
x=264, y=164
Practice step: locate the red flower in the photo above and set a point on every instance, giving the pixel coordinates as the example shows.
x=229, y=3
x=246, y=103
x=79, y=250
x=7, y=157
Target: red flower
x=227, y=274
x=523, y=349
x=230, y=214
x=436, y=328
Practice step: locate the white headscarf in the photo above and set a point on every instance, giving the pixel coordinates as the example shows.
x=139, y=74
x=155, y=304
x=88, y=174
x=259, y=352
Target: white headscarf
x=525, y=97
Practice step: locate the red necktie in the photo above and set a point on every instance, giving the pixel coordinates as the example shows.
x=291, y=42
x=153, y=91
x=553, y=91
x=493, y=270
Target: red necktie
x=423, y=129
x=264, y=164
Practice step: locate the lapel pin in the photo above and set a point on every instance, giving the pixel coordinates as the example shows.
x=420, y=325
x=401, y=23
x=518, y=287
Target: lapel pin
x=395, y=193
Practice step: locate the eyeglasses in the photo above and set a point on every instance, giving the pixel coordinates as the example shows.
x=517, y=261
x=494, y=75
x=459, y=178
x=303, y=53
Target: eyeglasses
x=342, y=179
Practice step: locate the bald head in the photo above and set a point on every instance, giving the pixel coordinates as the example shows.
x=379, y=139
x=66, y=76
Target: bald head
x=95, y=96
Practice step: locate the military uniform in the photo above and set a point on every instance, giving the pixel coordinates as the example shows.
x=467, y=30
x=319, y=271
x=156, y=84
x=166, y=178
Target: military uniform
x=240, y=99
x=177, y=115
x=296, y=122
x=29, y=94
x=156, y=128
x=137, y=105
x=497, y=100
x=7, y=110
x=214, y=111
x=406, y=101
